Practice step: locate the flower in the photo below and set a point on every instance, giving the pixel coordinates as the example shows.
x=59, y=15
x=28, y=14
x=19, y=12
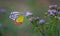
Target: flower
x=1, y=25
x=31, y=19
x=28, y=13
x=52, y=12
x=41, y=21
x=2, y=10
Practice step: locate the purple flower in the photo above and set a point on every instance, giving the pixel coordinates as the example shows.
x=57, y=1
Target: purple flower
x=28, y=14
x=1, y=25
x=52, y=12
x=41, y=21
x=2, y=10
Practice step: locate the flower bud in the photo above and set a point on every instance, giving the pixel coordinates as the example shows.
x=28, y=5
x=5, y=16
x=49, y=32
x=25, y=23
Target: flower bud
x=31, y=19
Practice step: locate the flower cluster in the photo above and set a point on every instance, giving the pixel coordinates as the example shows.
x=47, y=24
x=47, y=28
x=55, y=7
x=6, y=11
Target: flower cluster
x=28, y=13
x=52, y=10
x=36, y=20
x=41, y=21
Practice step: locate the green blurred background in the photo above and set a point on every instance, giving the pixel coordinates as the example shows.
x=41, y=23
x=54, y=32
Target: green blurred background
x=37, y=7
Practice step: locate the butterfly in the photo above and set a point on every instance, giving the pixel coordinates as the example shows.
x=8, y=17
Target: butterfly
x=17, y=17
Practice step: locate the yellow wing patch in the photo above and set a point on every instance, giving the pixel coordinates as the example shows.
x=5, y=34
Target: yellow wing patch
x=20, y=18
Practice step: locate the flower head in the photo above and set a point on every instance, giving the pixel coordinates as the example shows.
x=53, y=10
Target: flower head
x=2, y=10
x=31, y=19
x=41, y=21
x=52, y=12
x=1, y=25
x=28, y=14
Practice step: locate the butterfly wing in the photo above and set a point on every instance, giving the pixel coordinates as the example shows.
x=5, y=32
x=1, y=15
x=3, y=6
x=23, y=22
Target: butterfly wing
x=19, y=20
